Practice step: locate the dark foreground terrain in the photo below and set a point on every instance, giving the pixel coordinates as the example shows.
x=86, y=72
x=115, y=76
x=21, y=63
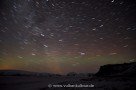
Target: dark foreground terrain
x=42, y=83
x=109, y=77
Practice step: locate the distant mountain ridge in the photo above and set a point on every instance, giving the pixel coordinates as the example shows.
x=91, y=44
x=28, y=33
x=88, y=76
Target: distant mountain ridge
x=22, y=73
x=126, y=69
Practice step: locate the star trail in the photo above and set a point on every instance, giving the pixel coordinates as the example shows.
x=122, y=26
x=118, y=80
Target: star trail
x=61, y=36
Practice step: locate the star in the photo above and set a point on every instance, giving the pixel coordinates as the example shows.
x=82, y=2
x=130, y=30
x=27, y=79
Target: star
x=82, y=53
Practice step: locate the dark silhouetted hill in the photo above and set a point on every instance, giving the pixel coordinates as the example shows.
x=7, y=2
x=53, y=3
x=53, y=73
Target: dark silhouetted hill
x=126, y=69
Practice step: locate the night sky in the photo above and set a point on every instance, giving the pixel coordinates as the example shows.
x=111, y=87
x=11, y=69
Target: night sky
x=61, y=36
